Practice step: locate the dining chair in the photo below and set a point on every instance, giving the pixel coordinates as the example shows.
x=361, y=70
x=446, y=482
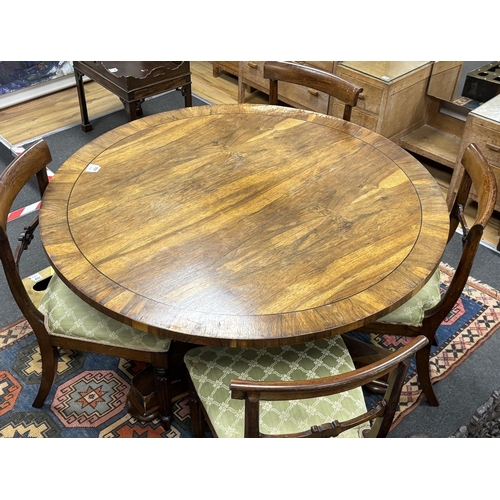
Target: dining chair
x=305, y=390
x=63, y=320
x=314, y=79
x=424, y=312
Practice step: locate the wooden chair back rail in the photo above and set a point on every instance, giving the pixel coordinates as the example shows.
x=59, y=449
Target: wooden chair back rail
x=478, y=173
x=313, y=78
x=31, y=163
x=19, y=172
x=484, y=184
x=12, y=180
x=396, y=364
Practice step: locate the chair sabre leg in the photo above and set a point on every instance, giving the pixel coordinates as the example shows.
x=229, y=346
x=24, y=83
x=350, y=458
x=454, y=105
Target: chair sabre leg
x=424, y=377
x=49, y=356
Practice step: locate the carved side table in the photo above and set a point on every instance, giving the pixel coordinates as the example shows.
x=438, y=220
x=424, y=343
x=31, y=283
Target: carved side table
x=132, y=82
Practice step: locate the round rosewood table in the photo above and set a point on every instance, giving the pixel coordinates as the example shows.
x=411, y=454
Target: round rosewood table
x=243, y=225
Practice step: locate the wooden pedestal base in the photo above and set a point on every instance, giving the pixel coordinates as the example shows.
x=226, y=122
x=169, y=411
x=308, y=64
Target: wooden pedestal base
x=142, y=401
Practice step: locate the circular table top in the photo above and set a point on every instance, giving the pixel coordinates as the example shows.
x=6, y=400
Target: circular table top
x=243, y=225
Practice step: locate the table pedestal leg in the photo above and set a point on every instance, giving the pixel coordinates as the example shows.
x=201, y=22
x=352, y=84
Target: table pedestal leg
x=143, y=402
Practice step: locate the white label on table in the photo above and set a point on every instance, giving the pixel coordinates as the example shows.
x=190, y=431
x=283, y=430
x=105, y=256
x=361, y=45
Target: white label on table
x=93, y=168
x=36, y=277
x=113, y=70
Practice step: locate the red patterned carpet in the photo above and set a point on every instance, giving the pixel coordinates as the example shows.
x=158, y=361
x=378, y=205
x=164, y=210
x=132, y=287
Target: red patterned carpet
x=89, y=396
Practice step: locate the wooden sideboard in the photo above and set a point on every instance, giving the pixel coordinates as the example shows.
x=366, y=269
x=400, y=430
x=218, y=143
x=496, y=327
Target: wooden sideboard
x=389, y=87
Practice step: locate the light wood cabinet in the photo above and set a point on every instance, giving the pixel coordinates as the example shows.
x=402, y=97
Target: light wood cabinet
x=482, y=127
x=230, y=67
x=392, y=102
x=251, y=77
x=393, y=98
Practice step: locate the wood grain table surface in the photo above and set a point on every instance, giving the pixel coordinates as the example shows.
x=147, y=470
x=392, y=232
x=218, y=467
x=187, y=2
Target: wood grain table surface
x=243, y=225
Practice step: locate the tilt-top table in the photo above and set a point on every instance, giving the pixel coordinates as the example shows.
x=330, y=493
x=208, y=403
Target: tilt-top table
x=243, y=225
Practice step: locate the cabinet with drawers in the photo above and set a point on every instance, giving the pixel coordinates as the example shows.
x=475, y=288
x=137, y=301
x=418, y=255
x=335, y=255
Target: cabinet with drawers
x=230, y=67
x=251, y=77
x=482, y=127
x=393, y=101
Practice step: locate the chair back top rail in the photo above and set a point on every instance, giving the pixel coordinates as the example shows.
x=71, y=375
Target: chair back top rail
x=314, y=78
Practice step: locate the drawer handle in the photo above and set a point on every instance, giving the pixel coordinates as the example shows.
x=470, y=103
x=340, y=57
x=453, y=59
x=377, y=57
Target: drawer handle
x=493, y=147
x=313, y=92
x=253, y=65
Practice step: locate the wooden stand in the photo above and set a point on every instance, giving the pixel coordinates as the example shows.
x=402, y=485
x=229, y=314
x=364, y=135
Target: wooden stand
x=132, y=82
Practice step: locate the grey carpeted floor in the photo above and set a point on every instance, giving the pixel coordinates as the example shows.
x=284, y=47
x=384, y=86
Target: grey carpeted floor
x=460, y=393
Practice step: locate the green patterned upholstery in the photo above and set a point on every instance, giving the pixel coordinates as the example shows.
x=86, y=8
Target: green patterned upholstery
x=212, y=369
x=412, y=312
x=67, y=315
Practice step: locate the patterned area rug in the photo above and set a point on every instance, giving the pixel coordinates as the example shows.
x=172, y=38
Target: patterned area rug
x=88, y=398
x=475, y=317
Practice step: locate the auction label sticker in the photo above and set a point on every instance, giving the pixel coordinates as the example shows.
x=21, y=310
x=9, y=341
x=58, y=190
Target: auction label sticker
x=92, y=168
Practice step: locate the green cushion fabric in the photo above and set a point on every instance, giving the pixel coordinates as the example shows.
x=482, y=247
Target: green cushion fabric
x=212, y=369
x=67, y=315
x=412, y=312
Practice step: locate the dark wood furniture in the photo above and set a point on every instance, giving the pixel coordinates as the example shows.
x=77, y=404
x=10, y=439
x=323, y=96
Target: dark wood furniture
x=32, y=163
x=314, y=80
x=243, y=225
x=394, y=365
x=477, y=175
x=132, y=82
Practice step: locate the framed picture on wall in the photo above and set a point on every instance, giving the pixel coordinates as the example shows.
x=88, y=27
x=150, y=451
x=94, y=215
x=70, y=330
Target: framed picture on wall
x=22, y=80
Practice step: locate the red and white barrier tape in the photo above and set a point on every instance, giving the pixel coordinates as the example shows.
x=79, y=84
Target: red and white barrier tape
x=30, y=208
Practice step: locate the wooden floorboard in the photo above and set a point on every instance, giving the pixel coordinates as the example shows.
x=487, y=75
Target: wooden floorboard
x=43, y=115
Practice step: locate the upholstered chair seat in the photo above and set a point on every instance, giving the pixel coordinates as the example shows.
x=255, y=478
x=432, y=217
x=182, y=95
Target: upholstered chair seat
x=411, y=313
x=67, y=315
x=212, y=368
